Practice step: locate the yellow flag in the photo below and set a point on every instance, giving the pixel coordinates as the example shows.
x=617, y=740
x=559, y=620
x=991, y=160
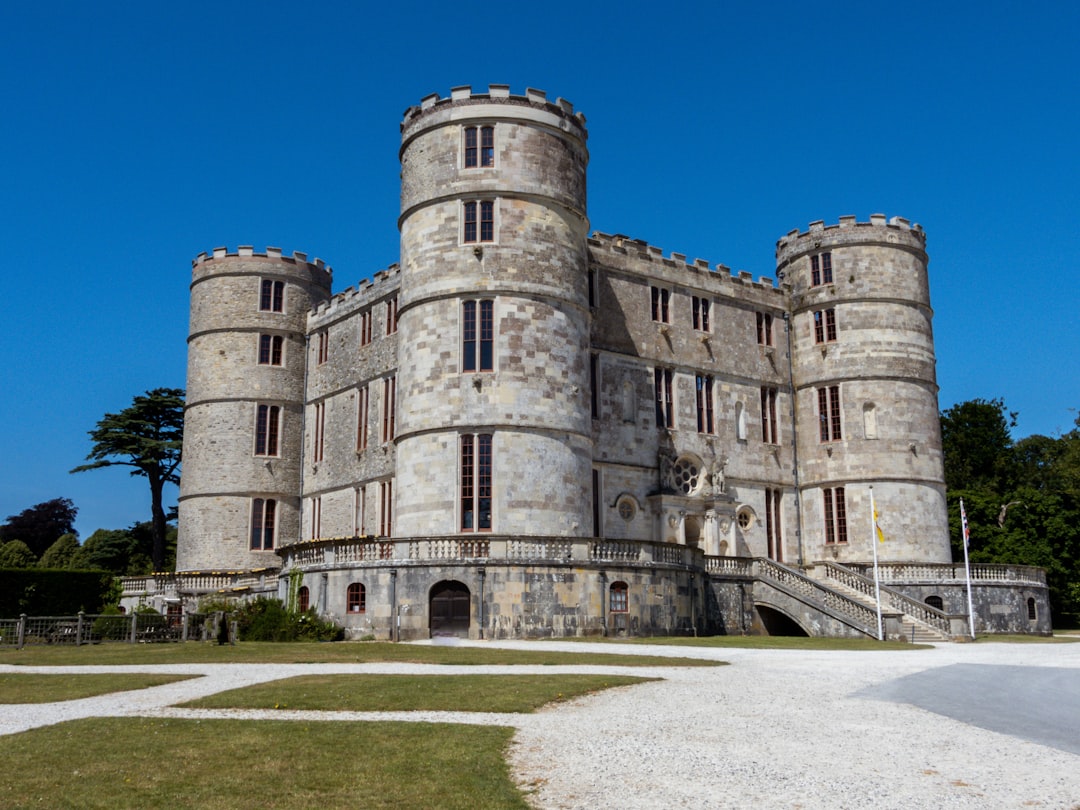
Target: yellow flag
x=877, y=528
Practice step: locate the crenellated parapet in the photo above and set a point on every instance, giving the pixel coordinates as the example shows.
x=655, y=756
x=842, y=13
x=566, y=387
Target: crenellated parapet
x=615, y=249
x=316, y=270
x=382, y=283
x=497, y=94
x=891, y=231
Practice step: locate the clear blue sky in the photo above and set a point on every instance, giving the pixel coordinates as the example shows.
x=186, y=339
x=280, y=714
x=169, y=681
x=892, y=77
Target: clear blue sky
x=136, y=135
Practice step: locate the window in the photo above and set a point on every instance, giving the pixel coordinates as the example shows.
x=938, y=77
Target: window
x=701, y=314
x=764, y=329
x=322, y=351
x=769, y=431
x=359, y=510
x=270, y=350
x=317, y=440
x=365, y=327
x=594, y=385
x=479, y=147
x=478, y=336
x=356, y=598
x=772, y=525
x=686, y=475
x=263, y=523
x=272, y=296
x=597, y=528
x=665, y=410
x=486, y=221
x=821, y=269
x=829, y=413
x=391, y=315
x=303, y=598
x=704, y=404
x=267, y=429
x=592, y=287
x=835, y=516
x=476, y=482
x=386, y=506
x=361, y=418
x=824, y=325
x=661, y=300
x=316, y=518
x=619, y=601
x=1032, y=614
x=389, y=401
x=935, y=602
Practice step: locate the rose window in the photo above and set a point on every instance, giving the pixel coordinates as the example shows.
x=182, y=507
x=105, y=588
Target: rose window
x=686, y=475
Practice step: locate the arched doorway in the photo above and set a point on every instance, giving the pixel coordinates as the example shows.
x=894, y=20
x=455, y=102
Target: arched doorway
x=449, y=609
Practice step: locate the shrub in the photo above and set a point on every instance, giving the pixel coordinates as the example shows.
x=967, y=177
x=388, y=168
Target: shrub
x=265, y=619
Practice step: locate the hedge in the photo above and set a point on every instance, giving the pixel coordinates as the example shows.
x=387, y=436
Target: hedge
x=42, y=592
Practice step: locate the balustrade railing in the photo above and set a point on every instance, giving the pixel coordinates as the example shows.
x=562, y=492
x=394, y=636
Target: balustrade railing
x=894, y=600
x=811, y=590
x=946, y=572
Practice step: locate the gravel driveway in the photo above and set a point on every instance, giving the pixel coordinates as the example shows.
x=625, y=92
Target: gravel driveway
x=776, y=729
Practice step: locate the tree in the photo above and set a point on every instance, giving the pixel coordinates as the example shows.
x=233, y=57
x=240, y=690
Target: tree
x=41, y=525
x=977, y=446
x=60, y=553
x=146, y=436
x=16, y=554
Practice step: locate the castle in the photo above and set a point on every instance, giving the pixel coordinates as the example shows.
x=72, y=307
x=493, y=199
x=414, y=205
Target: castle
x=526, y=430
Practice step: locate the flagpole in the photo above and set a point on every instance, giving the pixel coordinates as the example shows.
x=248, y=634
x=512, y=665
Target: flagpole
x=967, y=568
x=877, y=582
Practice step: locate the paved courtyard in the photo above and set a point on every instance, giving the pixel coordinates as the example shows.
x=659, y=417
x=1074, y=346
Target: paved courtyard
x=966, y=725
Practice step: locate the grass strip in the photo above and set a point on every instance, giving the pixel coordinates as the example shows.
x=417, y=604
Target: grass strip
x=162, y=764
x=20, y=688
x=358, y=652
x=372, y=693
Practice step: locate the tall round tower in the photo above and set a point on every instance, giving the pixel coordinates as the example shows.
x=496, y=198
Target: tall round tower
x=243, y=423
x=494, y=312
x=867, y=410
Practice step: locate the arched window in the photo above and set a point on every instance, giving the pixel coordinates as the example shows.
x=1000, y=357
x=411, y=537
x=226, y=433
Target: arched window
x=303, y=597
x=935, y=602
x=1032, y=613
x=619, y=597
x=356, y=599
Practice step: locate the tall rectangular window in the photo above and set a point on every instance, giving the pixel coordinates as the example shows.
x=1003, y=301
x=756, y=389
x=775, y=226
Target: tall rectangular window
x=479, y=147
x=824, y=325
x=316, y=518
x=821, y=269
x=769, y=431
x=361, y=418
x=270, y=350
x=835, y=515
x=267, y=429
x=365, y=327
x=476, y=482
x=359, y=510
x=773, y=535
x=322, y=351
x=272, y=296
x=479, y=221
x=597, y=527
x=478, y=336
x=705, y=423
x=594, y=385
x=829, y=413
x=317, y=442
x=665, y=407
x=701, y=308
x=386, y=508
x=661, y=301
x=263, y=523
x=391, y=315
x=764, y=329
x=389, y=403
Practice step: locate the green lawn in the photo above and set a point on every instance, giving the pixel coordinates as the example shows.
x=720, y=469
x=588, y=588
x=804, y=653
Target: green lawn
x=163, y=764
x=371, y=693
x=20, y=688
x=254, y=652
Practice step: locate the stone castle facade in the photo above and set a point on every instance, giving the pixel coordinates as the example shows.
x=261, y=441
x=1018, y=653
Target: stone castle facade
x=523, y=429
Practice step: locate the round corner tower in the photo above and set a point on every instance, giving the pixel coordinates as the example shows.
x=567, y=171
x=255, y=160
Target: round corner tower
x=494, y=310
x=240, y=486
x=864, y=372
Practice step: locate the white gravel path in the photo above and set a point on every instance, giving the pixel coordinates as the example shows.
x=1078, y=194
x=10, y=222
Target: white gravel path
x=776, y=729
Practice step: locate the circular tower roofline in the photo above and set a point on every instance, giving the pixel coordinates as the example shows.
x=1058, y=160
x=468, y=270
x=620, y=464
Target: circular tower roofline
x=894, y=232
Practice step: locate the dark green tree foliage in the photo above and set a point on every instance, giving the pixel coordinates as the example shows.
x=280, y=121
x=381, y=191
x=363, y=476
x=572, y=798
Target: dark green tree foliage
x=41, y=525
x=54, y=593
x=16, y=554
x=1022, y=498
x=60, y=554
x=147, y=436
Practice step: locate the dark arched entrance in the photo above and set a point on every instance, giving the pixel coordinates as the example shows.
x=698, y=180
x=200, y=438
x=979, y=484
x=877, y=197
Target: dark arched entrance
x=449, y=608
x=775, y=623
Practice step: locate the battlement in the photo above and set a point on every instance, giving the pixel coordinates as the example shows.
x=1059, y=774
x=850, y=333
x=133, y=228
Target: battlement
x=849, y=229
x=366, y=291
x=247, y=251
x=496, y=94
x=620, y=245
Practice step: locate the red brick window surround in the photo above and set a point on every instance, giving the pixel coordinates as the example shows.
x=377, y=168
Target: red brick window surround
x=479, y=147
x=476, y=482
